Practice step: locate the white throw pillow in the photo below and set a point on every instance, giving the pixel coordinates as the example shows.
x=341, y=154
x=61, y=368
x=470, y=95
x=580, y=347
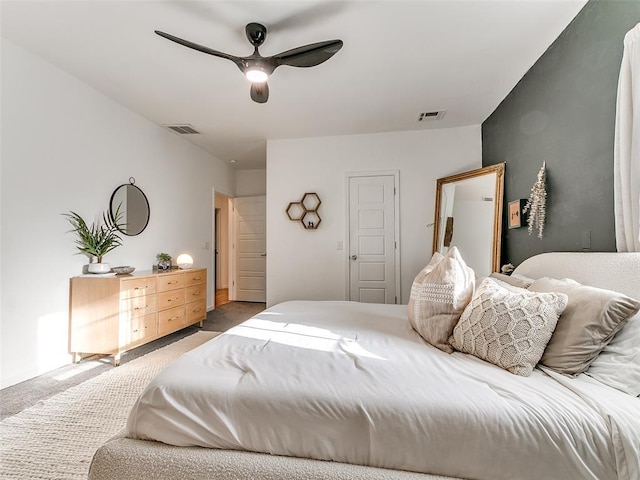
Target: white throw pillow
x=508, y=326
x=618, y=365
x=439, y=294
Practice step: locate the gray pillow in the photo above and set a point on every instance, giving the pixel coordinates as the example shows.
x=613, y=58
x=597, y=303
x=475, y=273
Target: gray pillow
x=514, y=279
x=591, y=319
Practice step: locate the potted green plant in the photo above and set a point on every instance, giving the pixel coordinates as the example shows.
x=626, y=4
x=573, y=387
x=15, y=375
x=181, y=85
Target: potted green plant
x=96, y=240
x=164, y=261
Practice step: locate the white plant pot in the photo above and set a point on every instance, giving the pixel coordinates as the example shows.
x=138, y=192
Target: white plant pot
x=99, y=268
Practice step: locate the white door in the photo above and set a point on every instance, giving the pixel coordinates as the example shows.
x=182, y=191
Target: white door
x=250, y=249
x=372, y=242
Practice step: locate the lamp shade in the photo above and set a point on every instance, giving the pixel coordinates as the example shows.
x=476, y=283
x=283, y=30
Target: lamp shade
x=184, y=260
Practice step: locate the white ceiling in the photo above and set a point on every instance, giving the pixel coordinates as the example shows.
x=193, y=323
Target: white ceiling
x=399, y=58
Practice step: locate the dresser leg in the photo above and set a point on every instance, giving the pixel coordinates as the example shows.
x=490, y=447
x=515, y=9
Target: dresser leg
x=116, y=359
x=76, y=357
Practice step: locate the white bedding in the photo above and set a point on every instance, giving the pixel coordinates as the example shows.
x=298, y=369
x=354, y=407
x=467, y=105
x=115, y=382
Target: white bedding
x=353, y=383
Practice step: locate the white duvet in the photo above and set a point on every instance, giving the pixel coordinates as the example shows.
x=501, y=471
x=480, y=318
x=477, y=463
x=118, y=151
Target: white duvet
x=353, y=383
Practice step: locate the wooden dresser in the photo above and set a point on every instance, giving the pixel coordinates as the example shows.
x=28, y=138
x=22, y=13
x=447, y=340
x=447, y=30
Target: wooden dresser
x=110, y=315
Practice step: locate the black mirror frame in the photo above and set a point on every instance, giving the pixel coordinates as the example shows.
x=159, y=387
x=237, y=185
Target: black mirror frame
x=112, y=209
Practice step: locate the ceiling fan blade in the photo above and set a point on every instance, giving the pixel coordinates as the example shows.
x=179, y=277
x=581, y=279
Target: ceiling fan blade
x=200, y=48
x=260, y=92
x=308, y=55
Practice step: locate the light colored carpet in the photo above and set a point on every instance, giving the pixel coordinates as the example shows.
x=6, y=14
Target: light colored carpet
x=56, y=438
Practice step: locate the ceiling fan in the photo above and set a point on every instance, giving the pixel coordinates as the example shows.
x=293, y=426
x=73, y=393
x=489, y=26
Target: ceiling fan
x=258, y=68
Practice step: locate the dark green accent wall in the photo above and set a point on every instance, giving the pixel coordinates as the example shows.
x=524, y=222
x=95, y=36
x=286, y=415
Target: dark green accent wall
x=563, y=112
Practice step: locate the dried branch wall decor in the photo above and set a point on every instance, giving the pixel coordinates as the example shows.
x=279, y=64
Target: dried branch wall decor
x=537, y=203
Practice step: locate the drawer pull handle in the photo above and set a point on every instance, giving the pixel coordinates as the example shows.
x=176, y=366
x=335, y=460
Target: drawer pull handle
x=197, y=278
x=140, y=308
x=141, y=288
x=172, y=299
x=196, y=293
x=173, y=318
x=197, y=309
x=135, y=331
x=172, y=282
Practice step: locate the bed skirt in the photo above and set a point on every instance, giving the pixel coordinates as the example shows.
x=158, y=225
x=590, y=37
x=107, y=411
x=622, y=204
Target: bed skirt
x=127, y=459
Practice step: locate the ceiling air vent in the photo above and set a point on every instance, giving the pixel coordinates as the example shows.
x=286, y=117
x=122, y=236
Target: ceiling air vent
x=182, y=129
x=435, y=115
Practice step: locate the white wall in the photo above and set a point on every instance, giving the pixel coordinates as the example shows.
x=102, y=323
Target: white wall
x=66, y=146
x=251, y=183
x=305, y=264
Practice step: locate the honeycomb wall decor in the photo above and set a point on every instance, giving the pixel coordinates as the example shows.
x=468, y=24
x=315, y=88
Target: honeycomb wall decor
x=305, y=211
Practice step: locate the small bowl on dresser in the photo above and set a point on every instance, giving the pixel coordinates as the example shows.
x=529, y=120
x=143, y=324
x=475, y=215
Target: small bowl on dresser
x=123, y=270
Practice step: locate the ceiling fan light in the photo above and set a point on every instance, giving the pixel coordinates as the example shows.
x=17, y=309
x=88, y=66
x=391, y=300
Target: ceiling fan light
x=256, y=76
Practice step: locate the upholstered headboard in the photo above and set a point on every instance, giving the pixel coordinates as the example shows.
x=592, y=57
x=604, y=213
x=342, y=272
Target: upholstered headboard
x=614, y=271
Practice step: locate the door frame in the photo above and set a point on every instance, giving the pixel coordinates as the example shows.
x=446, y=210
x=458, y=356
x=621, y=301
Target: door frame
x=232, y=248
x=210, y=245
x=217, y=281
x=396, y=227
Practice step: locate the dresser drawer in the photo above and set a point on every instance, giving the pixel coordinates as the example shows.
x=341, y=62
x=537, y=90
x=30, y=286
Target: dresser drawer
x=138, y=306
x=196, y=277
x=170, y=299
x=196, y=311
x=170, y=281
x=142, y=327
x=197, y=292
x=171, y=320
x=135, y=287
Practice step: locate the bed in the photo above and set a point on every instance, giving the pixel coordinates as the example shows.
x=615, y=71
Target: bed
x=341, y=390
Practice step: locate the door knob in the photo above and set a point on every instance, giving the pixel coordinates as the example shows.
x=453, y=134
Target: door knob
x=354, y=257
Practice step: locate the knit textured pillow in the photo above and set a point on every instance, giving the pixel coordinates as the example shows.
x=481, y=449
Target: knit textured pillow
x=438, y=296
x=508, y=326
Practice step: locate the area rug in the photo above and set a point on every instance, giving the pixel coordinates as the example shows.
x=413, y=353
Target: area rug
x=56, y=438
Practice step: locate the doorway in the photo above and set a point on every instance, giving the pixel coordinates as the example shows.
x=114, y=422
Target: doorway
x=373, y=224
x=221, y=248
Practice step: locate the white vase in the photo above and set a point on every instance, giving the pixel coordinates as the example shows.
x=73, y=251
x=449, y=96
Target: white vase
x=99, y=268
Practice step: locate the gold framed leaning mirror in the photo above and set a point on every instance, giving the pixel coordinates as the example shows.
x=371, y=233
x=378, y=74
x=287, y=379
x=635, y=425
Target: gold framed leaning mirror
x=469, y=216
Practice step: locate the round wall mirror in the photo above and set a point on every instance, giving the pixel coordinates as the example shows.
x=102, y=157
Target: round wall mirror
x=133, y=206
